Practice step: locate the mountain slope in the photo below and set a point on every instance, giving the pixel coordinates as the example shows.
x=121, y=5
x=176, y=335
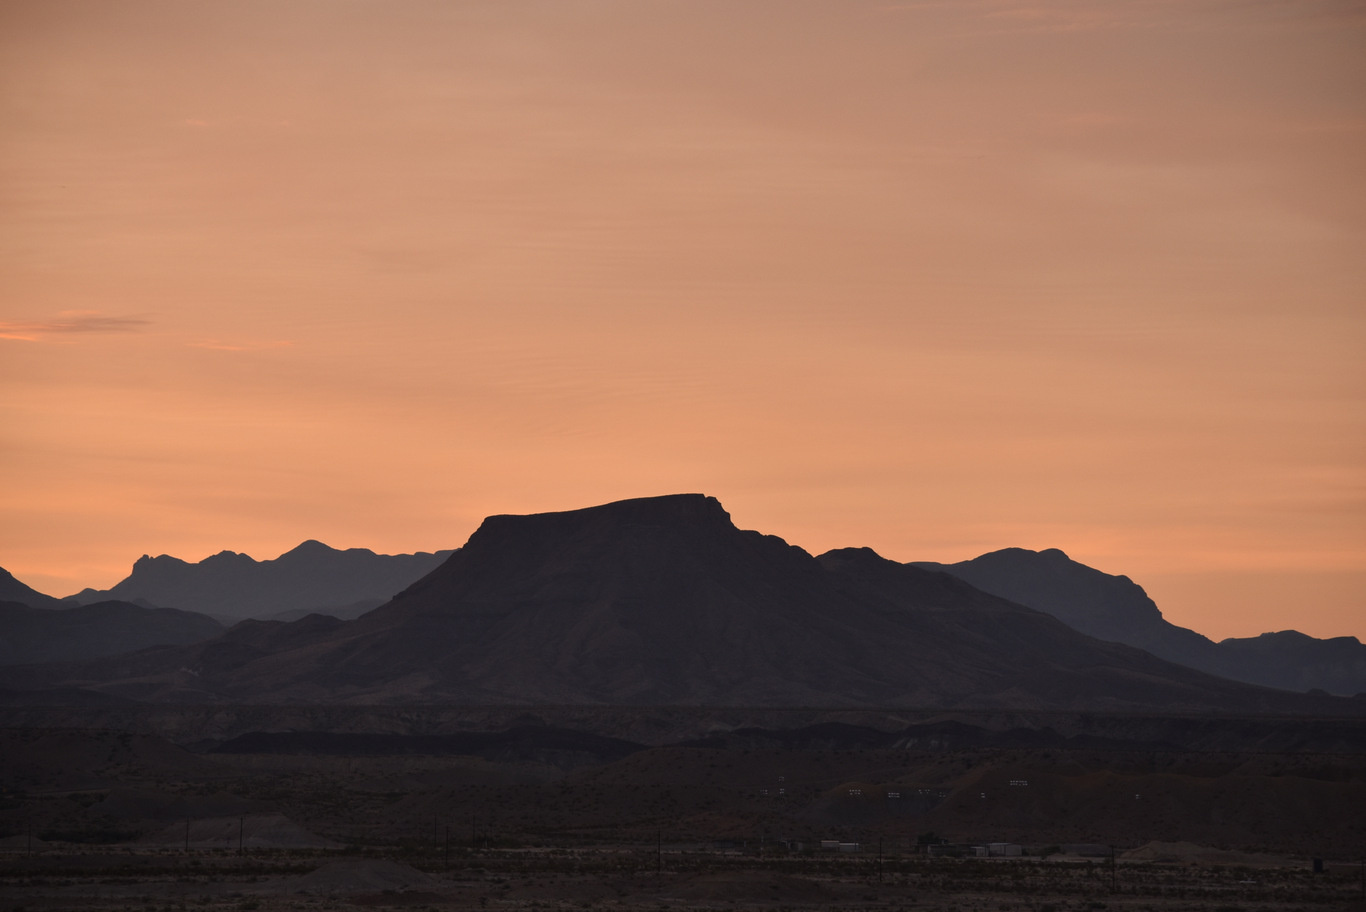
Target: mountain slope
x=11, y=590
x=1115, y=609
x=89, y=631
x=309, y=578
x=1112, y=608
x=663, y=601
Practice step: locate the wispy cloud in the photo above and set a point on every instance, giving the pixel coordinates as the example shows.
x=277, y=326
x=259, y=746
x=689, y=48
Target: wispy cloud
x=70, y=322
x=217, y=345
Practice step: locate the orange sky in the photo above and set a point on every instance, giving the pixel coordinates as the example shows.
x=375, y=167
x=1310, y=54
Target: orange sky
x=933, y=277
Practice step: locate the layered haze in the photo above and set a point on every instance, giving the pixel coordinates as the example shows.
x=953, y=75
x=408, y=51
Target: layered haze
x=935, y=278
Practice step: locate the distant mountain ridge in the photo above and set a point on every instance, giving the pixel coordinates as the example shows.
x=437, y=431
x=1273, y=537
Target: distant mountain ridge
x=311, y=578
x=69, y=634
x=663, y=601
x=1115, y=609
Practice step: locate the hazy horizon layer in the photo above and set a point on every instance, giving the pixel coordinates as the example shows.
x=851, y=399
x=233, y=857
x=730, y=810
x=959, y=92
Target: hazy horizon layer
x=934, y=278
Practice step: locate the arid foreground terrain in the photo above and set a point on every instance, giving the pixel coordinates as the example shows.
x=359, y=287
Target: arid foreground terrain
x=273, y=808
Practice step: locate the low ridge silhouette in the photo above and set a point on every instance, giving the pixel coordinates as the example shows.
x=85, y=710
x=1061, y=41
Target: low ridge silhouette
x=89, y=631
x=1116, y=609
x=309, y=578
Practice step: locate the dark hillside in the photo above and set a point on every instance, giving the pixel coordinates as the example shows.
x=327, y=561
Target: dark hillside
x=68, y=634
x=1115, y=609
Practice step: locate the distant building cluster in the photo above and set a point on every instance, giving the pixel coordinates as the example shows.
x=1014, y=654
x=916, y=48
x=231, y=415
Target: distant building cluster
x=834, y=845
x=984, y=850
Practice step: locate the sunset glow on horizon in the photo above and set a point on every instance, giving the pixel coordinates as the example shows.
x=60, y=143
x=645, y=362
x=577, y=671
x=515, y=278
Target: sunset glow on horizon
x=933, y=277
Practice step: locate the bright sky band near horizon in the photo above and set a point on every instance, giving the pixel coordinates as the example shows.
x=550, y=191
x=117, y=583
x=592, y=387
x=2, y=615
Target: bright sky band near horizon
x=932, y=277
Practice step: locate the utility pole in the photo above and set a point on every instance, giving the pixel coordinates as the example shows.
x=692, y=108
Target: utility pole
x=241, y=825
x=879, y=859
x=187, y=835
x=448, y=847
x=659, y=851
x=1114, y=872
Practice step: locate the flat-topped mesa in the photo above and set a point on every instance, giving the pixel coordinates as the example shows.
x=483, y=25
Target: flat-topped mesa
x=645, y=540
x=689, y=515
x=666, y=510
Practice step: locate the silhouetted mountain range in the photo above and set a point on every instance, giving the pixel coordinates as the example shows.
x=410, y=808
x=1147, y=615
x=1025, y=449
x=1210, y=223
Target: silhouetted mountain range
x=1116, y=609
x=69, y=634
x=664, y=601
x=311, y=578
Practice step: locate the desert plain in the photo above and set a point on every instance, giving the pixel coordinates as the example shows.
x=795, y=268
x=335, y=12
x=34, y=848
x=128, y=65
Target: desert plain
x=548, y=808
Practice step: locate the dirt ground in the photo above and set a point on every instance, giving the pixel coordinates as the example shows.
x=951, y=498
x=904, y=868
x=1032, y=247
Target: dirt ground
x=116, y=820
x=643, y=878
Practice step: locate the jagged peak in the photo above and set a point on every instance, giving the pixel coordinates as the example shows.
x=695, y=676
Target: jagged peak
x=163, y=560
